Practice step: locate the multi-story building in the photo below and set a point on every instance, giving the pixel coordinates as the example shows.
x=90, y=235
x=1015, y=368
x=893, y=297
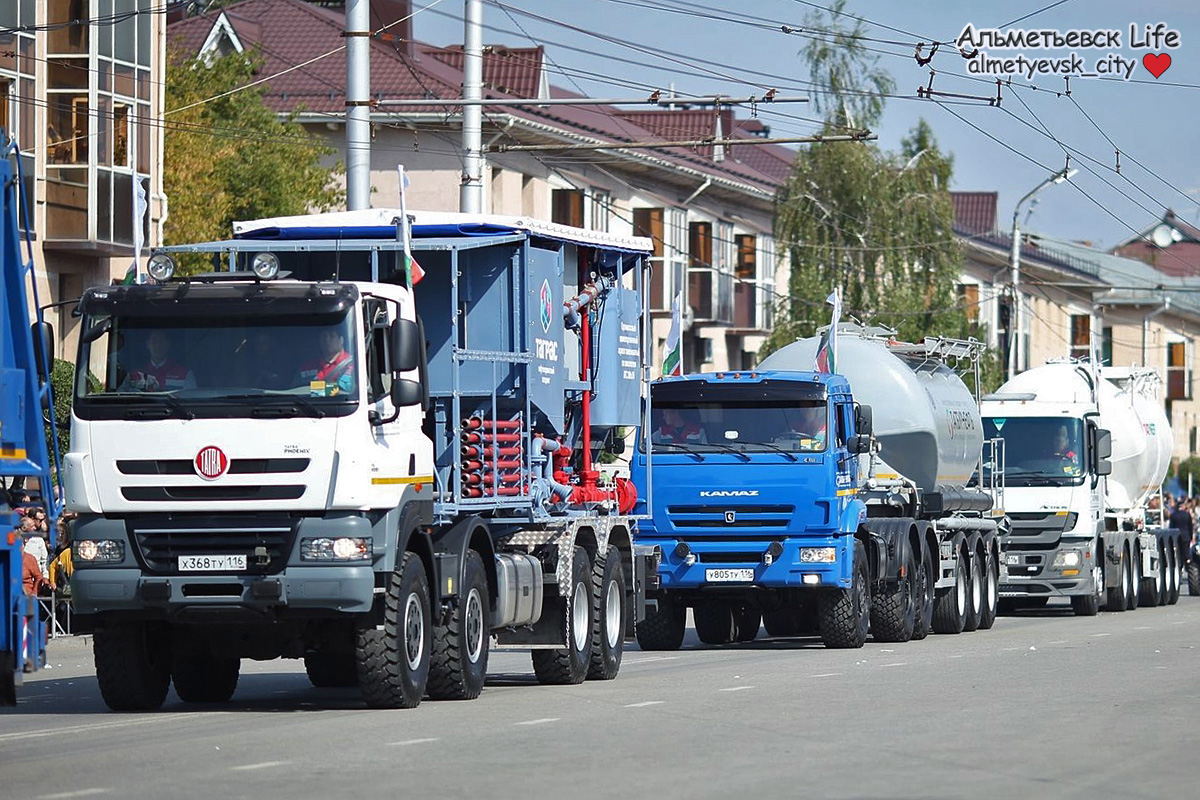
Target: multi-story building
x=81, y=92
x=708, y=209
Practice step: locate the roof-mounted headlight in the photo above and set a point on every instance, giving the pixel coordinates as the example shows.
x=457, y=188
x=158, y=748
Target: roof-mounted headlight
x=161, y=267
x=265, y=265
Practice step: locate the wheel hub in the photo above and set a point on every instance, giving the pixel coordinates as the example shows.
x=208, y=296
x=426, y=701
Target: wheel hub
x=414, y=632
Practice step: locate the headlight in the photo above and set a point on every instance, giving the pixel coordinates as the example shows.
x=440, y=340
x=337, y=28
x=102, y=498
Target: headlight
x=818, y=555
x=265, y=265
x=1067, y=558
x=343, y=548
x=161, y=267
x=98, y=551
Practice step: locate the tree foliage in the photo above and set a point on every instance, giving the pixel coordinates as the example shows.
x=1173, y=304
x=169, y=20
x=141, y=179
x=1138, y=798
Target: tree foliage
x=231, y=157
x=850, y=84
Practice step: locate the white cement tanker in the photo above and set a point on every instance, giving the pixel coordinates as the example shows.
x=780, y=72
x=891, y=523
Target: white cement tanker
x=1086, y=449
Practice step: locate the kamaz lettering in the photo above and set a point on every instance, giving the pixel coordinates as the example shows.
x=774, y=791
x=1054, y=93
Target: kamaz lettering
x=730, y=493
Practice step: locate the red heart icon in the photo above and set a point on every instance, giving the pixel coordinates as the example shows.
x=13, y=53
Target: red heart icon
x=1157, y=64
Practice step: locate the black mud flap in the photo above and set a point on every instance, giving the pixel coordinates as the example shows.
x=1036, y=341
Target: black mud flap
x=549, y=630
x=8, y=678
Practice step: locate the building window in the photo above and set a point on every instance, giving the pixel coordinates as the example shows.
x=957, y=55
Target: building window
x=1179, y=375
x=566, y=207
x=700, y=273
x=71, y=37
x=745, y=291
x=1106, y=345
x=120, y=135
x=648, y=222
x=599, y=209
x=1081, y=336
x=968, y=300
x=67, y=129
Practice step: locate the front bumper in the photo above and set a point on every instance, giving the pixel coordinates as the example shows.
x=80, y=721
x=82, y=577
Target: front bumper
x=1030, y=573
x=785, y=570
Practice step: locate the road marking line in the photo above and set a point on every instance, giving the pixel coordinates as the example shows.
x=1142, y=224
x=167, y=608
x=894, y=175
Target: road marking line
x=95, y=726
x=541, y=721
x=1007, y=649
x=1142, y=627
x=1180, y=622
x=79, y=793
x=825, y=675
x=647, y=703
x=650, y=659
x=736, y=688
x=1058, y=641
x=897, y=664
x=261, y=765
x=407, y=742
x=1098, y=635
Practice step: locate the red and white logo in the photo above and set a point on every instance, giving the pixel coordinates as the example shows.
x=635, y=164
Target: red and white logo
x=211, y=463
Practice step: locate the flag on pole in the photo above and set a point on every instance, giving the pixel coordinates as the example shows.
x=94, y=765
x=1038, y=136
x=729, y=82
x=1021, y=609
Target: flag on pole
x=827, y=348
x=140, y=206
x=673, y=351
x=412, y=270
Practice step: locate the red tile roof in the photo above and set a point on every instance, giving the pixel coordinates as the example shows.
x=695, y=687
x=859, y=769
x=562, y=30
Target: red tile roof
x=292, y=32
x=974, y=212
x=1181, y=259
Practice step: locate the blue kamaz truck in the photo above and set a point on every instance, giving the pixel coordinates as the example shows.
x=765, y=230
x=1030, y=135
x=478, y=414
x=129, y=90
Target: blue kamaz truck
x=841, y=504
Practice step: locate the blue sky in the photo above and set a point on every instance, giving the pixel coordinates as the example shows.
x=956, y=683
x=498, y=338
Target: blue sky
x=1150, y=120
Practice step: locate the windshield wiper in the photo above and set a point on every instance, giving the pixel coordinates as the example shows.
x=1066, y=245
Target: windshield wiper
x=1035, y=480
x=299, y=401
x=172, y=402
x=677, y=446
x=777, y=449
x=728, y=448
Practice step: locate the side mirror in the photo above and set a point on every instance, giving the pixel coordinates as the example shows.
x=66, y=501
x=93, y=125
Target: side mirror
x=43, y=348
x=864, y=420
x=615, y=443
x=407, y=393
x=405, y=345
x=859, y=444
x=1103, y=452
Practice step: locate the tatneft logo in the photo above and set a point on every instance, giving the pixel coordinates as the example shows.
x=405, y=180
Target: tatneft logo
x=729, y=493
x=211, y=463
x=547, y=306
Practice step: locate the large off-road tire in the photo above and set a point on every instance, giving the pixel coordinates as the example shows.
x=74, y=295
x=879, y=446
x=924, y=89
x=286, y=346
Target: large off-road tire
x=1117, y=597
x=715, y=623
x=782, y=621
x=1135, y=579
x=950, y=605
x=894, y=612
x=844, y=615
x=663, y=629
x=569, y=665
x=8, y=678
x=331, y=670
x=133, y=665
x=990, y=591
x=1089, y=605
x=608, y=617
x=1193, y=573
x=200, y=677
x=393, y=663
x=926, y=579
x=458, y=664
x=746, y=622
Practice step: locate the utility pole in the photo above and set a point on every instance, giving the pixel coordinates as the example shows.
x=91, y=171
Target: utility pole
x=358, y=105
x=470, y=195
x=1014, y=319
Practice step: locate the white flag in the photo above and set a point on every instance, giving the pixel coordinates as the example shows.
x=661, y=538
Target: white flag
x=673, y=350
x=827, y=347
x=140, y=207
x=412, y=270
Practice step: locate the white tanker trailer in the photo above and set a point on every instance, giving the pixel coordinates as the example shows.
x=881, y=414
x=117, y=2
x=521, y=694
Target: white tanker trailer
x=1085, y=449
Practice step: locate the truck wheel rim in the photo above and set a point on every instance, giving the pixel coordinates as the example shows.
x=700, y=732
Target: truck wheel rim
x=976, y=588
x=993, y=590
x=473, y=626
x=1160, y=575
x=960, y=588
x=414, y=632
x=612, y=613
x=579, y=617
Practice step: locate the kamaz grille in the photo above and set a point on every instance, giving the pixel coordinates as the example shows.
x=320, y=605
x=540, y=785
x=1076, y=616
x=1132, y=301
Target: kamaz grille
x=161, y=541
x=730, y=516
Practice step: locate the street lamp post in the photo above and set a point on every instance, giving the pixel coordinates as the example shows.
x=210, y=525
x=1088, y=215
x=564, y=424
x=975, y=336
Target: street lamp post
x=1014, y=320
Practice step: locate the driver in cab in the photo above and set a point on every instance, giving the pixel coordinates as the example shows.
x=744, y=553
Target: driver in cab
x=676, y=428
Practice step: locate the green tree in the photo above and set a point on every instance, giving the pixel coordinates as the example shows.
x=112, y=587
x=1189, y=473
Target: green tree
x=229, y=156
x=850, y=85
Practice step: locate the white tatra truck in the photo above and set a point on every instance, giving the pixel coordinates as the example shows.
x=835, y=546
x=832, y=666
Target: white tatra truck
x=1086, y=448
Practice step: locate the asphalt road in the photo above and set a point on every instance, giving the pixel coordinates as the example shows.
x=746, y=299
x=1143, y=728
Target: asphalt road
x=1045, y=705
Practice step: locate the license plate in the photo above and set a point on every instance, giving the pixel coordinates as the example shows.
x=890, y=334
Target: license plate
x=728, y=575
x=1012, y=559
x=211, y=563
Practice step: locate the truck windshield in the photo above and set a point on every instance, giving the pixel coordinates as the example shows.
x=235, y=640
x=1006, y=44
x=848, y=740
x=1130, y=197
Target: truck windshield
x=746, y=426
x=1039, y=451
x=220, y=366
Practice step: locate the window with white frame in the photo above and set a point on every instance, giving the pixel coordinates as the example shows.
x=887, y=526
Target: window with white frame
x=1179, y=369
